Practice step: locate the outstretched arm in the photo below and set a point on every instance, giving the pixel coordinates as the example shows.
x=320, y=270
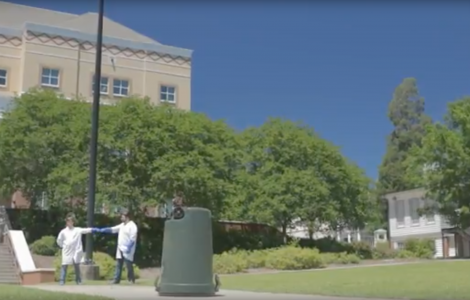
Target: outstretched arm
x=60, y=240
x=111, y=230
x=89, y=230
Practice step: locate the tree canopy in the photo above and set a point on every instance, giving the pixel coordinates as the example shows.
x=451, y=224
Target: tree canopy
x=407, y=115
x=292, y=175
x=279, y=173
x=441, y=164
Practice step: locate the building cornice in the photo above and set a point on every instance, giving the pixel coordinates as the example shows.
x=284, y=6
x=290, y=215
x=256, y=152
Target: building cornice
x=91, y=38
x=11, y=32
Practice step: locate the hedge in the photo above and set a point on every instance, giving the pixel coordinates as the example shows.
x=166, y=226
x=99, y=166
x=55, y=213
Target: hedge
x=39, y=223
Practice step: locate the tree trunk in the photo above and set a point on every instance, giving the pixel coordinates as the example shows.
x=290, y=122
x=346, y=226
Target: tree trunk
x=284, y=232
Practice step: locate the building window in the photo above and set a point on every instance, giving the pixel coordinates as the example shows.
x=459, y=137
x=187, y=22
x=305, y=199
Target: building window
x=50, y=77
x=167, y=94
x=429, y=207
x=400, y=246
x=3, y=78
x=120, y=88
x=400, y=212
x=104, y=85
x=413, y=205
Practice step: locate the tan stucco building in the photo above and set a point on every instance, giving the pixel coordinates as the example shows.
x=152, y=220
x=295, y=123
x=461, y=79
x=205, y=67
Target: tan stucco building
x=50, y=49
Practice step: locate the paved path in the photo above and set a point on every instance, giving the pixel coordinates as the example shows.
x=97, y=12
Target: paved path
x=148, y=293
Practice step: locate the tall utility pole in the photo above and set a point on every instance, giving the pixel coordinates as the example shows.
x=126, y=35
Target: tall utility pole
x=95, y=115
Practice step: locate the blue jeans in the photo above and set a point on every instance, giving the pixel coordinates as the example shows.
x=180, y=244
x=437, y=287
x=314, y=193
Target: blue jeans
x=130, y=270
x=63, y=273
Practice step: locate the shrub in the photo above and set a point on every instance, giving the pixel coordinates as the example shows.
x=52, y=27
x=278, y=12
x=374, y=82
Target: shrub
x=329, y=258
x=362, y=249
x=106, y=263
x=257, y=259
x=345, y=258
x=383, y=251
x=45, y=246
x=293, y=258
x=228, y=263
x=327, y=245
x=340, y=258
x=405, y=254
x=421, y=248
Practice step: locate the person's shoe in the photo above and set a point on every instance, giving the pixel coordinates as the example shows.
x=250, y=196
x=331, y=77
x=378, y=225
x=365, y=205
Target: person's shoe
x=79, y=283
x=114, y=282
x=61, y=283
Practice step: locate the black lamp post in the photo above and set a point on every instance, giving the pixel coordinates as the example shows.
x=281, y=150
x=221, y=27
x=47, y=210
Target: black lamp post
x=94, y=135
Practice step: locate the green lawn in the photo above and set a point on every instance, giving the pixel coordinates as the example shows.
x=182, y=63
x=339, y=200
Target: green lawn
x=17, y=292
x=435, y=280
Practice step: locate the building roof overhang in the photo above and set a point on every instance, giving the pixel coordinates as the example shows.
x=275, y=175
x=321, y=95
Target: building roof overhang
x=91, y=38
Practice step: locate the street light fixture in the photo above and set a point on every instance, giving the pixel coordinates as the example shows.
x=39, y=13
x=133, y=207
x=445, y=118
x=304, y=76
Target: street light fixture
x=94, y=135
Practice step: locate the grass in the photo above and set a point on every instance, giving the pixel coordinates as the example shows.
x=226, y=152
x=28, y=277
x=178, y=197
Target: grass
x=434, y=280
x=17, y=292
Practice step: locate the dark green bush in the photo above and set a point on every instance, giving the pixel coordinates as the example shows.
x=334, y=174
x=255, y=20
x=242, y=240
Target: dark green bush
x=46, y=246
x=421, y=248
x=326, y=245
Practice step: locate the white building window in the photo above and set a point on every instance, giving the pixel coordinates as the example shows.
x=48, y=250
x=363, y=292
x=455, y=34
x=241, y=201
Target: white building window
x=429, y=206
x=400, y=246
x=167, y=94
x=413, y=205
x=400, y=212
x=50, y=77
x=120, y=87
x=104, y=85
x=3, y=77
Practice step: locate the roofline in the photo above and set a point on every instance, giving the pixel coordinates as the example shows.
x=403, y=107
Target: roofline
x=11, y=31
x=91, y=38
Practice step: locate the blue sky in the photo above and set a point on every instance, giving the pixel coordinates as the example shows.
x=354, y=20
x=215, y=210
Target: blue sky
x=330, y=64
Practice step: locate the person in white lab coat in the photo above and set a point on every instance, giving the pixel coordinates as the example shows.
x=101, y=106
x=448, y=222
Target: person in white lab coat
x=127, y=238
x=70, y=240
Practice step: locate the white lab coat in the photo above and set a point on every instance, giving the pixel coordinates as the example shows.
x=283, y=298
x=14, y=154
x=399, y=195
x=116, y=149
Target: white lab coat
x=127, y=233
x=70, y=240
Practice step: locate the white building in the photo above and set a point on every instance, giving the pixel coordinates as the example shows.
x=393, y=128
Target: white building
x=405, y=223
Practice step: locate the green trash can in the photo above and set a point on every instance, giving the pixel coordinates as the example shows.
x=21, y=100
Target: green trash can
x=186, y=268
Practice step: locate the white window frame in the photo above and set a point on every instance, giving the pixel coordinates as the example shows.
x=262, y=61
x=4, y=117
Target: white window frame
x=400, y=223
x=167, y=93
x=4, y=78
x=101, y=85
x=430, y=218
x=414, y=210
x=50, y=78
x=121, y=88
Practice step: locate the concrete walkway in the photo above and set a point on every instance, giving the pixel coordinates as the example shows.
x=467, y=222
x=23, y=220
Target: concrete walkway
x=148, y=293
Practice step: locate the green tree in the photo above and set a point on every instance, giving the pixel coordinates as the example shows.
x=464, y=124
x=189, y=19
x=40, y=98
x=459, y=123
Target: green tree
x=146, y=153
x=39, y=133
x=293, y=175
x=406, y=112
x=151, y=152
x=442, y=164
